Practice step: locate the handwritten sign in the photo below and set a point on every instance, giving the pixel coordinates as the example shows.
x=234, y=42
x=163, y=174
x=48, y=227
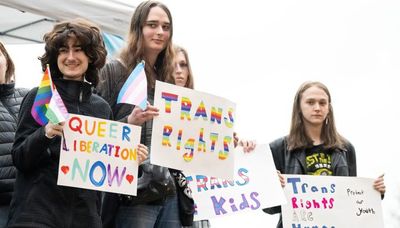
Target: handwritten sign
x=256, y=186
x=327, y=201
x=99, y=154
x=194, y=131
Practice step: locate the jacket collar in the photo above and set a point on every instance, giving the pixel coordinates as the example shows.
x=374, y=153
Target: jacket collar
x=73, y=91
x=7, y=89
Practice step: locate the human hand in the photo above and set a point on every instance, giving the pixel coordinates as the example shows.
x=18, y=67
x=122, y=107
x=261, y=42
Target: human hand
x=138, y=116
x=51, y=130
x=379, y=184
x=281, y=178
x=142, y=153
x=235, y=139
x=248, y=146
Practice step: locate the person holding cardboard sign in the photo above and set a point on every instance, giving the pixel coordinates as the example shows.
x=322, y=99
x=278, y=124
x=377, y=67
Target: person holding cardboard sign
x=314, y=146
x=149, y=40
x=74, y=53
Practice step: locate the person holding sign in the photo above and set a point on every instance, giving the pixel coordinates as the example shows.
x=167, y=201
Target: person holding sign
x=149, y=40
x=313, y=146
x=74, y=52
x=183, y=77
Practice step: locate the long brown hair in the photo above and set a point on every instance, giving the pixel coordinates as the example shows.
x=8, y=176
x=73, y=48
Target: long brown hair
x=190, y=81
x=133, y=53
x=298, y=137
x=90, y=39
x=10, y=64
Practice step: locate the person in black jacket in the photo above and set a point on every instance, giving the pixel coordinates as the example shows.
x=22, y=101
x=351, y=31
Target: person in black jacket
x=75, y=52
x=149, y=39
x=313, y=146
x=10, y=102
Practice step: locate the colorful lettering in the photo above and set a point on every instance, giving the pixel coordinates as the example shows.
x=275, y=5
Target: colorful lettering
x=168, y=97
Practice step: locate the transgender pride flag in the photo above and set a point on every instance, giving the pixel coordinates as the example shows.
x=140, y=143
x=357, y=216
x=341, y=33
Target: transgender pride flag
x=134, y=90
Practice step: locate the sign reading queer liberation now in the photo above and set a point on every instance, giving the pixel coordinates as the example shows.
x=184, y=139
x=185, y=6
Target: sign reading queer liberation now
x=256, y=186
x=99, y=154
x=340, y=202
x=194, y=131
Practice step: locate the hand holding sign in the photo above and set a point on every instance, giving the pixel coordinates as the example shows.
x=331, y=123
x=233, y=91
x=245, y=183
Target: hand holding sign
x=138, y=116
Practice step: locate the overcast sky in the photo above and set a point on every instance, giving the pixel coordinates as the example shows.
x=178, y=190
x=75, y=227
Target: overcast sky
x=257, y=53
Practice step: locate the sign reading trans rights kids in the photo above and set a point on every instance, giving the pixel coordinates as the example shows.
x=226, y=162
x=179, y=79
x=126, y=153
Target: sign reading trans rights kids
x=331, y=202
x=256, y=186
x=99, y=154
x=194, y=131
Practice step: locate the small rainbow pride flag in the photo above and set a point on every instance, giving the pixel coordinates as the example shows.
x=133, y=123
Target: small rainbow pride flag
x=134, y=91
x=48, y=104
x=42, y=98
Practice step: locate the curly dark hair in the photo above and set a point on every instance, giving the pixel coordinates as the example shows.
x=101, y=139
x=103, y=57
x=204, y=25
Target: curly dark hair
x=90, y=40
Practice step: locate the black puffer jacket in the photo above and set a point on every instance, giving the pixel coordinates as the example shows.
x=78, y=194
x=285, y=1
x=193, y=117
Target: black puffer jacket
x=38, y=201
x=10, y=101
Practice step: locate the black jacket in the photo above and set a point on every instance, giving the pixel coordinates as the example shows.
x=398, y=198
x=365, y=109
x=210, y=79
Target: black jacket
x=154, y=182
x=294, y=162
x=10, y=102
x=38, y=201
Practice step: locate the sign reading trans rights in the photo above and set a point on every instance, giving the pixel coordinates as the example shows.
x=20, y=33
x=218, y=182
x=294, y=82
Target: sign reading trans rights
x=99, y=154
x=331, y=202
x=194, y=131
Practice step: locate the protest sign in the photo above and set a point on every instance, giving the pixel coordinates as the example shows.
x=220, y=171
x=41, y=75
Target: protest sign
x=256, y=186
x=99, y=154
x=194, y=131
x=328, y=201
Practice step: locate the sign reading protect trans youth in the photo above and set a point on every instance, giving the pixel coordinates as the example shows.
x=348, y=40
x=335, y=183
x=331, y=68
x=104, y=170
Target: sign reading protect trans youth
x=331, y=202
x=99, y=154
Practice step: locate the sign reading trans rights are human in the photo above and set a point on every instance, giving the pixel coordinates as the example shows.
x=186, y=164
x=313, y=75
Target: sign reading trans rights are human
x=99, y=154
x=331, y=202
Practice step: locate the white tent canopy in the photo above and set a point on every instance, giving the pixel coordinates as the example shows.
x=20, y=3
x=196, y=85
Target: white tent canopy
x=24, y=21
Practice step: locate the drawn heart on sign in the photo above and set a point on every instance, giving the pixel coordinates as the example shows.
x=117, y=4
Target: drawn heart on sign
x=129, y=178
x=65, y=169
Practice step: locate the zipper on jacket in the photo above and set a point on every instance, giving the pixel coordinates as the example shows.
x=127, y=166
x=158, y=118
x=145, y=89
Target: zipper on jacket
x=80, y=99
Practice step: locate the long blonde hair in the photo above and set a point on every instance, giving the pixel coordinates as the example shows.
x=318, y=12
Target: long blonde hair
x=190, y=81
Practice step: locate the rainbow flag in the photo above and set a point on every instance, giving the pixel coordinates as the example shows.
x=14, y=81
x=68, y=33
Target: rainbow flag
x=134, y=91
x=42, y=98
x=48, y=105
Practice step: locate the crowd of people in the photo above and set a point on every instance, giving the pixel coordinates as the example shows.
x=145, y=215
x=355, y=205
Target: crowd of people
x=88, y=85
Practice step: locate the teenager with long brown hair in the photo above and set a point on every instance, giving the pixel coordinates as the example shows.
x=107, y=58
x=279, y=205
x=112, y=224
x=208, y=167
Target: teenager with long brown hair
x=314, y=146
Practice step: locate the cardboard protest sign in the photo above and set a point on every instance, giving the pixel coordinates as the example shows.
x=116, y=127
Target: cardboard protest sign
x=194, y=131
x=256, y=186
x=328, y=201
x=99, y=154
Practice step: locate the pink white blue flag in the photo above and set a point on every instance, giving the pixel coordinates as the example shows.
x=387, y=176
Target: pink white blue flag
x=134, y=91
